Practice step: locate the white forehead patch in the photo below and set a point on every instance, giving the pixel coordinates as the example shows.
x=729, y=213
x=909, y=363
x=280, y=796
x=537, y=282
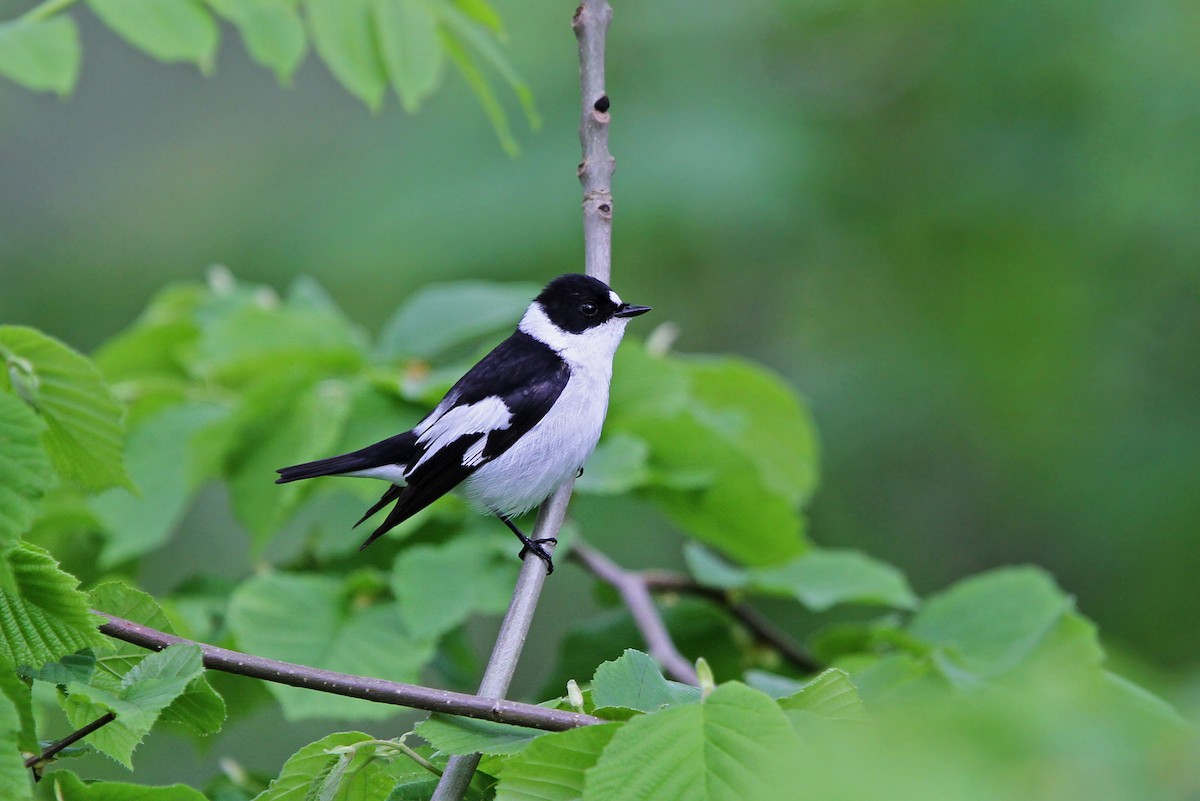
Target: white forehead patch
x=614, y=297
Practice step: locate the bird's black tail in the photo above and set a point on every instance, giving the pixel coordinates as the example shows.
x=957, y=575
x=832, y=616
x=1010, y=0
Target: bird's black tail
x=395, y=450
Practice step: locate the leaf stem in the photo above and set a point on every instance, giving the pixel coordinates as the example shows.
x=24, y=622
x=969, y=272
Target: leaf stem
x=404, y=748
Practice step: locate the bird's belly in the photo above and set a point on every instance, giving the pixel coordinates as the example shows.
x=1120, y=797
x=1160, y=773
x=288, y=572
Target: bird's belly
x=549, y=453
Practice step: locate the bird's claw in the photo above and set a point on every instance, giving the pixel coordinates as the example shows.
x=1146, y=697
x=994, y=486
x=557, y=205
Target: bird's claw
x=535, y=547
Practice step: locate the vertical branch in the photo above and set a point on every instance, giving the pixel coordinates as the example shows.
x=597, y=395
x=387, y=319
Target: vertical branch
x=595, y=171
x=595, y=174
x=511, y=639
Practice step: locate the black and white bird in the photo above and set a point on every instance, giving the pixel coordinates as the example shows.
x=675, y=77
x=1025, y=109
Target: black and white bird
x=517, y=425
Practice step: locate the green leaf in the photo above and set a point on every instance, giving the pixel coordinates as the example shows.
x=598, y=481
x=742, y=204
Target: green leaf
x=461, y=28
x=78, y=667
x=282, y=421
x=309, y=620
x=344, y=36
x=306, y=772
x=168, y=30
x=455, y=735
x=158, y=344
x=635, y=682
x=145, y=692
x=478, y=566
x=552, y=768
x=824, y=578
x=157, y=453
x=271, y=29
x=482, y=13
x=411, y=48
x=483, y=90
x=775, y=429
x=83, y=422
x=41, y=55
x=19, y=693
x=736, y=512
x=43, y=616
x=738, y=744
x=713, y=571
x=989, y=624
x=67, y=787
x=830, y=695
x=619, y=464
x=198, y=709
x=439, y=316
x=14, y=776
x=256, y=339
x=646, y=385
x=696, y=625
x=25, y=471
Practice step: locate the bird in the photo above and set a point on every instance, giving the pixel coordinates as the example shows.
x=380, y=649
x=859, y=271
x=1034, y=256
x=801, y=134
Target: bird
x=517, y=425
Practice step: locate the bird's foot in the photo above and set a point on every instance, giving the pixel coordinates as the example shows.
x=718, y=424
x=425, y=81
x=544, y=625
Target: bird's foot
x=531, y=546
x=535, y=547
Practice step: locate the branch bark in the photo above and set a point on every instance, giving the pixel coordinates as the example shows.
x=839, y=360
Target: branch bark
x=756, y=622
x=595, y=175
x=635, y=592
x=371, y=689
x=36, y=762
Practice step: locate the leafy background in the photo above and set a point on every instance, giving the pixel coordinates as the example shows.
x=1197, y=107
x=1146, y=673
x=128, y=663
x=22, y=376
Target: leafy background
x=964, y=230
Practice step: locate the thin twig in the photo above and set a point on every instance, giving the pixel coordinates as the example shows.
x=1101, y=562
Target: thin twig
x=635, y=592
x=72, y=738
x=371, y=689
x=756, y=622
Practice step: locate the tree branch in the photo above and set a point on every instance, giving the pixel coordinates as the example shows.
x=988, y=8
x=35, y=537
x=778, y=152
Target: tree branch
x=595, y=174
x=756, y=622
x=35, y=762
x=595, y=171
x=635, y=592
x=371, y=689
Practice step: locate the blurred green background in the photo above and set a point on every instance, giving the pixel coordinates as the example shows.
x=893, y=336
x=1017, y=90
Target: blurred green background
x=968, y=232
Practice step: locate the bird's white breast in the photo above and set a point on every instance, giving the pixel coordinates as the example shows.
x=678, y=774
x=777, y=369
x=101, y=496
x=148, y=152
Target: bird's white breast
x=554, y=449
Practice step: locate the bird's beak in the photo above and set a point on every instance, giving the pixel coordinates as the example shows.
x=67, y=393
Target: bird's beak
x=629, y=310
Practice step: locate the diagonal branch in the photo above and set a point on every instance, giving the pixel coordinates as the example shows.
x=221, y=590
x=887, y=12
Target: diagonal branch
x=37, y=761
x=758, y=624
x=635, y=592
x=371, y=689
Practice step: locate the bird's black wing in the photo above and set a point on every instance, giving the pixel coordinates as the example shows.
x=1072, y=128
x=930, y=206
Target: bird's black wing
x=527, y=377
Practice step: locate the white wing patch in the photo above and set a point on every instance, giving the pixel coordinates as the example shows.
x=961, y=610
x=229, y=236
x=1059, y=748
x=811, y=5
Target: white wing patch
x=474, y=454
x=483, y=417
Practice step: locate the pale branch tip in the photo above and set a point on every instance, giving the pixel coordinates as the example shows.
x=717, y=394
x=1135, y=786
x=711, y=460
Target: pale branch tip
x=351, y=686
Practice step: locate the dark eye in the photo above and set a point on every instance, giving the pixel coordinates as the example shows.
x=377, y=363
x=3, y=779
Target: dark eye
x=589, y=309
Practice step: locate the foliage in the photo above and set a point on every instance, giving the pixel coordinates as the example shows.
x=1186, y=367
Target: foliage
x=993, y=688
x=368, y=45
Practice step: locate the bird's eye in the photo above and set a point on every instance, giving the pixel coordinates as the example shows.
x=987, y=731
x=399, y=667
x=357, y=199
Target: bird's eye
x=589, y=309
